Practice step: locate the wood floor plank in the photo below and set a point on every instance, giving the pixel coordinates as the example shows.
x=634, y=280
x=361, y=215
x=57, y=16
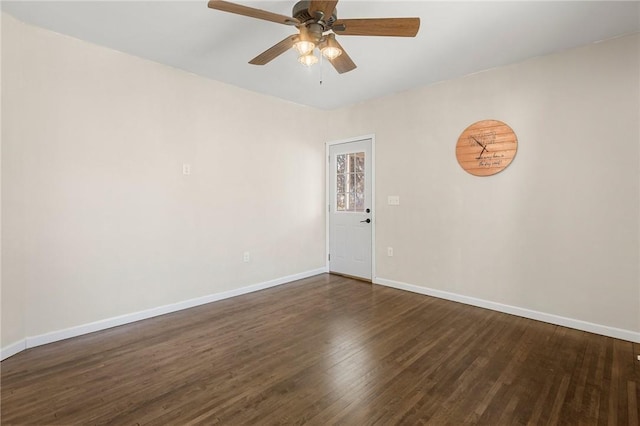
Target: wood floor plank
x=632, y=402
x=326, y=350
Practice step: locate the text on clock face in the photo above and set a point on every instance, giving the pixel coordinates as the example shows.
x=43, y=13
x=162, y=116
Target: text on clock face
x=491, y=160
x=485, y=138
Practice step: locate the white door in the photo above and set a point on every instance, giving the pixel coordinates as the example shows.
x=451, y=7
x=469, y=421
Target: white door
x=350, y=208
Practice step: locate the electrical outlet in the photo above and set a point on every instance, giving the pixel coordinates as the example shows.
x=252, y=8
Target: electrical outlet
x=246, y=257
x=186, y=169
x=393, y=200
x=390, y=251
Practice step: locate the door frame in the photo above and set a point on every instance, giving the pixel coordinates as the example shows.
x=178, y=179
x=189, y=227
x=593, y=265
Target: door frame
x=373, y=198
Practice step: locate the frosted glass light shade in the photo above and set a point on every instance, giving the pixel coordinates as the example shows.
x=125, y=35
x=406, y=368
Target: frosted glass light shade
x=331, y=48
x=304, y=46
x=331, y=52
x=308, y=60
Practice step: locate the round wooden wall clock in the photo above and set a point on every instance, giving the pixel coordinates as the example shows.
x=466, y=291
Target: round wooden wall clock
x=486, y=147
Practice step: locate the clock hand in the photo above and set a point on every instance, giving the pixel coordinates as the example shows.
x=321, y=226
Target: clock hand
x=484, y=147
x=481, y=152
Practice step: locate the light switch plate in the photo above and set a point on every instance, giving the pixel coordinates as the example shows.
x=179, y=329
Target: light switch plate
x=393, y=200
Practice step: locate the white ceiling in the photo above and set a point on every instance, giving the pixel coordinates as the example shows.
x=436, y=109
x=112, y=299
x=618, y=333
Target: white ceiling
x=455, y=39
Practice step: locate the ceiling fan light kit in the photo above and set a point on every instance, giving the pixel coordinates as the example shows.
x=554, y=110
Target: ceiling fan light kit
x=317, y=22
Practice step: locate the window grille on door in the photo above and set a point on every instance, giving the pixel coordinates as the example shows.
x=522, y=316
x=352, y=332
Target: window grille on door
x=350, y=182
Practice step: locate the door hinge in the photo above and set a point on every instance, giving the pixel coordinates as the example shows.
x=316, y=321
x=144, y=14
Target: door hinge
x=329, y=256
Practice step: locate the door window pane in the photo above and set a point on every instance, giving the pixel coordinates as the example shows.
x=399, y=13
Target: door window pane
x=359, y=178
x=341, y=163
x=340, y=183
x=351, y=182
x=359, y=163
x=340, y=202
x=350, y=178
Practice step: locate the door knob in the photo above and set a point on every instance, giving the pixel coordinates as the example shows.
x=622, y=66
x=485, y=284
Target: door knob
x=368, y=221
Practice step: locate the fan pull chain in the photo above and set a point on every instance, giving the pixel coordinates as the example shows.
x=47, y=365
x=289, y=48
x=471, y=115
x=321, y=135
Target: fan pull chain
x=321, y=61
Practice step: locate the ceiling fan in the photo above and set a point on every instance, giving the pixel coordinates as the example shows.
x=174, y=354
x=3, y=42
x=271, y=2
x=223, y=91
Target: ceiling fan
x=317, y=23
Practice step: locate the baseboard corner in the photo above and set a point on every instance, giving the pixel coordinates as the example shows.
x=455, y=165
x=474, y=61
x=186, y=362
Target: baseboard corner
x=12, y=349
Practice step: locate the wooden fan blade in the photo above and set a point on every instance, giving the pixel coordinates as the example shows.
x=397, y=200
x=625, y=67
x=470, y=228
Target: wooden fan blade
x=274, y=51
x=251, y=12
x=390, y=27
x=342, y=63
x=326, y=7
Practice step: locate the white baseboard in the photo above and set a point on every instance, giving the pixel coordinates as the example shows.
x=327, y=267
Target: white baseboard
x=13, y=349
x=604, y=330
x=79, y=330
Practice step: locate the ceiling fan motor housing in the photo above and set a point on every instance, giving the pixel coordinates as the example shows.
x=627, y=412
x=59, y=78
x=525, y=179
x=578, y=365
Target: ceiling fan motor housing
x=301, y=13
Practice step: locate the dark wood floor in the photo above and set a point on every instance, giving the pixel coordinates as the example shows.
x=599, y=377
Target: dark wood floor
x=327, y=350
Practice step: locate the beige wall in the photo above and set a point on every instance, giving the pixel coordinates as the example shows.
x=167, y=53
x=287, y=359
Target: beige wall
x=557, y=231
x=12, y=318
x=99, y=220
